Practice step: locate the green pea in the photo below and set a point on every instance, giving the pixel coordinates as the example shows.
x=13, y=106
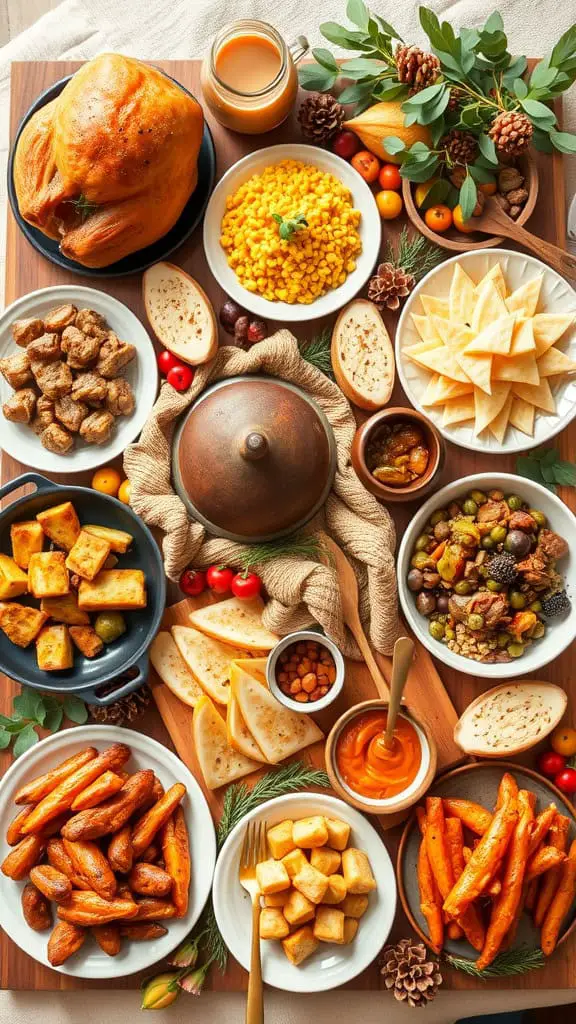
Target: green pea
x=437, y=630
x=469, y=507
x=462, y=587
x=515, y=650
x=514, y=502
x=488, y=543
x=422, y=542
x=536, y=606
x=517, y=600
x=449, y=633
x=538, y=516
x=503, y=640
x=440, y=516
x=498, y=534
x=494, y=586
x=475, y=621
x=479, y=497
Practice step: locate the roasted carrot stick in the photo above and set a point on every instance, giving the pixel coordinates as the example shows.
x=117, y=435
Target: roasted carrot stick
x=541, y=827
x=484, y=861
x=430, y=899
x=439, y=855
x=473, y=816
x=507, y=790
x=559, y=839
x=546, y=858
x=470, y=921
x=560, y=904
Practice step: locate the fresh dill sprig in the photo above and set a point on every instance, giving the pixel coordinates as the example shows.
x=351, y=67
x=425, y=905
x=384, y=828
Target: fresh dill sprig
x=512, y=961
x=297, y=544
x=414, y=253
x=317, y=352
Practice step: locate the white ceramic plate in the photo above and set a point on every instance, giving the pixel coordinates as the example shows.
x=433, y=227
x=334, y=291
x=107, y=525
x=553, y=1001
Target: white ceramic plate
x=556, y=296
x=370, y=233
x=19, y=441
x=330, y=965
x=90, y=961
x=560, y=632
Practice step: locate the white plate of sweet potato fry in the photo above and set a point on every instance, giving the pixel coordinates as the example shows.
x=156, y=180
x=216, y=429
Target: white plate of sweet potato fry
x=488, y=863
x=107, y=852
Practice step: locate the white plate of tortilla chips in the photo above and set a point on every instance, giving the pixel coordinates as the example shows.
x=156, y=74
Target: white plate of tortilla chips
x=486, y=348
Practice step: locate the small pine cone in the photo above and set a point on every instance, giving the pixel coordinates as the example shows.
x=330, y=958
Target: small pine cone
x=416, y=68
x=410, y=973
x=122, y=711
x=389, y=285
x=511, y=132
x=320, y=116
x=459, y=147
x=456, y=99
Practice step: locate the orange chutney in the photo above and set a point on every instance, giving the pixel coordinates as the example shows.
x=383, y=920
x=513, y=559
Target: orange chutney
x=367, y=766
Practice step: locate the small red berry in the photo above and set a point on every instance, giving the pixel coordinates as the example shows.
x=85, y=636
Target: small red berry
x=180, y=377
x=192, y=582
x=219, y=578
x=246, y=586
x=345, y=144
x=166, y=362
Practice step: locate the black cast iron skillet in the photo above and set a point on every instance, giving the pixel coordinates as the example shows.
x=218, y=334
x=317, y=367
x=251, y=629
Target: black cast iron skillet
x=130, y=651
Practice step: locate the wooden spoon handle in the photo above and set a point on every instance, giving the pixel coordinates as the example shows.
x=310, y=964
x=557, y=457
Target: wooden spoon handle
x=377, y=677
x=563, y=262
x=401, y=662
x=255, y=996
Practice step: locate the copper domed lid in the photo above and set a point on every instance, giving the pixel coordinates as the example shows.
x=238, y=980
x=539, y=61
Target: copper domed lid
x=254, y=459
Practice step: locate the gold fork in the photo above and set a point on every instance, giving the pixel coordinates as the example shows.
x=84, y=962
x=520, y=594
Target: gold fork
x=254, y=850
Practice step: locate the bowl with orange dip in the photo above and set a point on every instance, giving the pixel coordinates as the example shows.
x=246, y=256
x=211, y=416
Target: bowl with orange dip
x=370, y=776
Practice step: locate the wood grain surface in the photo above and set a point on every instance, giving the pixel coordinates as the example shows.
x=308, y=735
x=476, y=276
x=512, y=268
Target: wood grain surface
x=26, y=271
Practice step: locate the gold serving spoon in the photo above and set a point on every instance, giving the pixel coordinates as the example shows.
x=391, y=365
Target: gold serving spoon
x=401, y=662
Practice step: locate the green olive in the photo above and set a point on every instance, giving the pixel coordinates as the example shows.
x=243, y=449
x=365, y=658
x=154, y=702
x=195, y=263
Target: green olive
x=538, y=516
x=449, y=633
x=475, y=621
x=514, y=502
x=479, y=497
x=494, y=586
x=421, y=560
x=437, y=630
x=469, y=507
x=515, y=650
x=498, y=534
x=422, y=542
x=488, y=543
x=504, y=639
x=109, y=626
x=536, y=606
x=462, y=587
x=538, y=630
x=440, y=516
x=517, y=600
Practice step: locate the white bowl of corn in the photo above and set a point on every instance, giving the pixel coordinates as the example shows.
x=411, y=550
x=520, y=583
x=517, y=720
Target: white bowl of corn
x=292, y=233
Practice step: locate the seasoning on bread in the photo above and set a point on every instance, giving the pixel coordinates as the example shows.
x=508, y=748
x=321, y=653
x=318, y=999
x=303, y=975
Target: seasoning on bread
x=363, y=356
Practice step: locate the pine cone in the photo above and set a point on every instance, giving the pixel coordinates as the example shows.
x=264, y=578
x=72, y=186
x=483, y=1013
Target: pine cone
x=459, y=147
x=320, y=117
x=408, y=971
x=416, y=68
x=511, y=132
x=389, y=285
x=456, y=99
x=121, y=711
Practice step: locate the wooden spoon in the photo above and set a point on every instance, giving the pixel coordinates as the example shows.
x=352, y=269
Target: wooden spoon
x=401, y=662
x=493, y=221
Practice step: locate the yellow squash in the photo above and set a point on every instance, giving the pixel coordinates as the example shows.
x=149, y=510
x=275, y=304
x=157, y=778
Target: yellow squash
x=382, y=120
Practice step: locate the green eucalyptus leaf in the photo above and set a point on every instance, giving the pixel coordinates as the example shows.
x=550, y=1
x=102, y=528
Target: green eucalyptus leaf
x=529, y=467
x=411, y=118
x=468, y=196
x=542, y=75
x=27, y=738
x=360, y=64
x=387, y=28
x=541, y=141
x=564, y=49
x=344, y=38
x=539, y=112
x=564, y=142
x=5, y=739
x=355, y=93
x=357, y=13
x=326, y=59
x=547, y=473
x=470, y=117
x=470, y=38
x=520, y=88
x=467, y=60
x=4, y=721
x=430, y=112
x=389, y=90
x=449, y=62
x=16, y=725
x=316, y=78
x=54, y=717
x=393, y=145
x=564, y=473
x=75, y=708
x=481, y=175
x=431, y=26
x=425, y=96
x=494, y=23
x=437, y=193
x=438, y=130
x=28, y=704
x=419, y=171
x=488, y=149
x=419, y=150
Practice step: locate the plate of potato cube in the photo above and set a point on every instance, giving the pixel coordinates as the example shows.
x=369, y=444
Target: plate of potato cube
x=328, y=893
x=78, y=378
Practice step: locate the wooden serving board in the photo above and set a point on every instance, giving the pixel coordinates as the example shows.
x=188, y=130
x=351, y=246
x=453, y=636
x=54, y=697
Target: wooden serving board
x=26, y=271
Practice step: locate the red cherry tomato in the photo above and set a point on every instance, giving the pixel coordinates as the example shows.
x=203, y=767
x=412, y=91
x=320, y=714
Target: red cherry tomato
x=248, y=585
x=219, y=578
x=180, y=377
x=166, y=362
x=389, y=177
x=192, y=582
x=566, y=780
x=345, y=144
x=551, y=763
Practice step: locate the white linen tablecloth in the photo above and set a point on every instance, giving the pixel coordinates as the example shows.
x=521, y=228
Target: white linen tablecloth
x=156, y=29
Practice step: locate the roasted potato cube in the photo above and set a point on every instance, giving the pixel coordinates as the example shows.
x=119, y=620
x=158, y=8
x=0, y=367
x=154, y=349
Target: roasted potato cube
x=336, y=890
x=54, y=649
x=44, y=417
x=350, y=929
x=114, y=355
x=46, y=348
x=329, y=925
x=25, y=331
x=97, y=427
x=326, y=860
x=80, y=349
x=60, y=523
x=118, y=540
x=59, y=317
x=300, y=945
x=338, y=833
x=88, y=555
x=20, y=623
x=311, y=882
x=27, y=538
x=47, y=574
x=53, y=379
x=13, y=581
x=56, y=439
x=86, y=640
x=118, y=589
x=277, y=899
x=280, y=839
x=309, y=832
x=70, y=413
x=65, y=609
x=20, y=406
x=294, y=862
x=120, y=398
x=357, y=872
x=272, y=876
x=16, y=370
x=88, y=320
x=298, y=909
x=354, y=906
x=273, y=924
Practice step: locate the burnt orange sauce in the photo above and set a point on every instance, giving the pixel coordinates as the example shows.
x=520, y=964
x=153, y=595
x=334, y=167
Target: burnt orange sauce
x=367, y=766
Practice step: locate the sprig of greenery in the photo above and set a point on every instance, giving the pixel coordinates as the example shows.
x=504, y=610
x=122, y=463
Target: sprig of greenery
x=307, y=546
x=288, y=226
x=83, y=207
x=544, y=466
x=31, y=709
x=316, y=351
x=414, y=253
x=512, y=961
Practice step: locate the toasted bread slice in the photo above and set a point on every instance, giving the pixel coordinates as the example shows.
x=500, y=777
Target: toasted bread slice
x=236, y=622
x=65, y=609
x=362, y=355
x=61, y=524
x=180, y=313
x=278, y=731
x=207, y=659
x=219, y=762
x=113, y=590
x=118, y=540
x=173, y=670
x=20, y=623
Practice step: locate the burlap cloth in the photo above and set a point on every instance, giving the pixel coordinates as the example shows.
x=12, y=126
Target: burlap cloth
x=300, y=591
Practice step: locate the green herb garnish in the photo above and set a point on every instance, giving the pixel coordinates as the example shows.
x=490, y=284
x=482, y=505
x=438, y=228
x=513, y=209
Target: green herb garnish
x=288, y=226
x=316, y=351
x=83, y=207
x=544, y=466
x=414, y=253
x=31, y=709
x=512, y=961
x=297, y=544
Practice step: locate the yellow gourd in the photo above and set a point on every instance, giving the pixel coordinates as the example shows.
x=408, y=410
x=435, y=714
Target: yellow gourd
x=381, y=120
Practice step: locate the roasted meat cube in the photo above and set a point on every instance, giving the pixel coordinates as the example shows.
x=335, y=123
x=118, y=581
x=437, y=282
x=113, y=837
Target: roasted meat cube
x=114, y=355
x=20, y=407
x=46, y=348
x=493, y=512
x=552, y=545
x=56, y=439
x=25, y=331
x=53, y=379
x=97, y=427
x=81, y=349
x=87, y=641
x=16, y=370
x=44, y=414
x=70, y=413
x=89, y=387
x=59, y=318
x=88, y=320
x=120, y=399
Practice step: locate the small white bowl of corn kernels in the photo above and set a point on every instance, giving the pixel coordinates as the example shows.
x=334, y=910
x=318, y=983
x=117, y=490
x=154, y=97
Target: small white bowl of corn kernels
x=292, y=233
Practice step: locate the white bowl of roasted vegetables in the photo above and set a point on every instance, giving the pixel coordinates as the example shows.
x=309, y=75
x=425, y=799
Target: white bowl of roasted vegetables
x=486, y=575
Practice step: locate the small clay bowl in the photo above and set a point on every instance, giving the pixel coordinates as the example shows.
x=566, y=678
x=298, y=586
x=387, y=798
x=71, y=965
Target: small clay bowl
x=422, y=485
x=393, y=804
x=456, y=240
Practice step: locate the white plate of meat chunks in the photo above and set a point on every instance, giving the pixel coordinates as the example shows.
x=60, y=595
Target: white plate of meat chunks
x=78, y=378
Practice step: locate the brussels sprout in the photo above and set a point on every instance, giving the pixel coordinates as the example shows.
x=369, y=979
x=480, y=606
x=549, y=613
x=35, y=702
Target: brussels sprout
x=462, y=587
x=536, y=606
x=498, y=534
x=475, y=621
x=469, y=507
x=422, y=542
x=487, y=543
x=479, y=497
x=514, y=503
x=515, y=650
x=441, y=531
x=494, y=586
x=109, y=626
x=503, y=640
x=436, y=630
x=439, y=516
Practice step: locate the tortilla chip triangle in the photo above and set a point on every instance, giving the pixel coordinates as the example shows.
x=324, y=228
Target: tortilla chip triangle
x=478, y=369
x=422, y=346
x=540, y=396
x=494, y=339
x=462, y=296
x=495, y=274
x=278, y=731
x=525, y=299
x=490, y=306
x=522, y=415
x=455, y=336
x=522, y=338
x=253, y=666
x=434, y=306
x=443, y=389
x=207, y=659
x=458, y=410
x=239, y=736
x=548, y=327
x=219, y=762
x=440, y=360
x=237, y=622
x=173, y=670
x=554, y=361
x=425, y=327
x=523, y=369
x=487, y=407
x=500, y=422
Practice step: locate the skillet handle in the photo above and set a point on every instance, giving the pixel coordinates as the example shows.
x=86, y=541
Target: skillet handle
x=91, y=697
x=41, y=482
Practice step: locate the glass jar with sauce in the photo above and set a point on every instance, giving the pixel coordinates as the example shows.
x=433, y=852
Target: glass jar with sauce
x=249, y=78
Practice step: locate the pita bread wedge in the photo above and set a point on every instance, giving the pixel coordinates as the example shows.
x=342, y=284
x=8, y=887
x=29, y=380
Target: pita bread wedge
x=433, y=306
x=525, y=299
x=490, y=306
x=208, y=660
x=522, y=415
x=253, y=666
x=173, y=670
x=219, y=762
x=237, y=622
x=487, y=407
x=462, y=297
x=443, y=389
x=477, y=368
x=429, y=396
x=458, y=410
x=522, y=338
x=523, y=369
x=540, y=396
x=493, y=340
x=548, y=327
x=278, y=731
x=496, y=274
x=441, y=360
x=420, y=347
x=499, y=424
x=554, y=361
x=456, y=336
x=239, y=735
x=425, y=327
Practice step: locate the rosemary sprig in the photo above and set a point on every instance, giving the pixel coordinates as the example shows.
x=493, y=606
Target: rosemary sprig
x=414, y=253
x=288, y=226
x=513, y=961
x=297, y=544
x=83, y=207
x=316, y=351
